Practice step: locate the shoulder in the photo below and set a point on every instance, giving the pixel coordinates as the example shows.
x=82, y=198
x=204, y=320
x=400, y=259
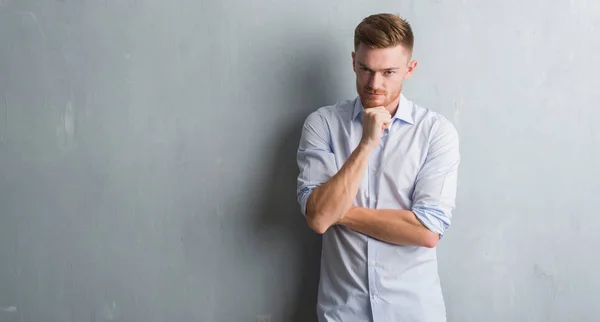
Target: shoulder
x=330, y=113
x=321, y=125
x=433, y=123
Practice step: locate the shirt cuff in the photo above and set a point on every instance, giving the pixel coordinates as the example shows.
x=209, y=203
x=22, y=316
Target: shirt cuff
x=433, y=219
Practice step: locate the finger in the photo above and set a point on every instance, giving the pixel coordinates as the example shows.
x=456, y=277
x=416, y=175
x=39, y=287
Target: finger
x=380, y=110
x=376, y=110
x=384, y=117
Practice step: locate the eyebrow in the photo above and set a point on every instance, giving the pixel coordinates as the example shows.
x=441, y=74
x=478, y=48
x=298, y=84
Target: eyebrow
x=371, y=69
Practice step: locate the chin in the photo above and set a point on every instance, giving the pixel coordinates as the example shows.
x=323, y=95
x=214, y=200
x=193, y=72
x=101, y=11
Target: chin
x=370, y=102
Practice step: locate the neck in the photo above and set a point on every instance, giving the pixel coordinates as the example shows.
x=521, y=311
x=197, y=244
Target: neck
x=393, y=106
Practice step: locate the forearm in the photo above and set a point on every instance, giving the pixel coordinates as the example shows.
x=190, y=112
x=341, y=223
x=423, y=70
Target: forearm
x=400, y=227
x=329, y=202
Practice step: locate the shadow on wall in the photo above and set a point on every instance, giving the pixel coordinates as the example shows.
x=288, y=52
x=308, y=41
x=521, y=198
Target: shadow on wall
x=279, y=213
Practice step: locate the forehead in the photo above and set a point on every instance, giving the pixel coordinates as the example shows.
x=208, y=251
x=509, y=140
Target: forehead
x=382, y=57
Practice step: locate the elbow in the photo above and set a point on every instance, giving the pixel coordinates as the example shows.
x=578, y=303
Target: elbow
x=431, y=226
x=314, y=217
x=430, y=239
x=317, y=225
x=319, y=229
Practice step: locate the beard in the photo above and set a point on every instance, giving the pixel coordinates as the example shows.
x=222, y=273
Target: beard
x=384, y=98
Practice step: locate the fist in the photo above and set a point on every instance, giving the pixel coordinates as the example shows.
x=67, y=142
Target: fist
x=375, y=121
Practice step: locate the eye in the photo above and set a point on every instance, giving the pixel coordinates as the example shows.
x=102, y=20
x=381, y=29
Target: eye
x=390, y=72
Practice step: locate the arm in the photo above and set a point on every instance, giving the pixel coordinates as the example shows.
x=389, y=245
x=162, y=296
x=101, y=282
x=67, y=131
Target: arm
x=330, y=201
x=325, y=196
x=433, y=199
x=400, y=227
x=316, y=163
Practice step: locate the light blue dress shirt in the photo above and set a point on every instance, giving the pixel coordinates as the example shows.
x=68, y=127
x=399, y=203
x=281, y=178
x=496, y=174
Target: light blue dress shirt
x=414, y=168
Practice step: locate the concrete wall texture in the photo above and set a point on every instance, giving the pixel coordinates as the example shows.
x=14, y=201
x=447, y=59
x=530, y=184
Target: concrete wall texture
x=147, y=155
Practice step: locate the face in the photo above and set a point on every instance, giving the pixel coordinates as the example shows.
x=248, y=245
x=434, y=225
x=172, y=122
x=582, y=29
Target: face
x=380, y=74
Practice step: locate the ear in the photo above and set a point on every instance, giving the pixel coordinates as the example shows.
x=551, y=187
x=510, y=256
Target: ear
x=354, y=61
x=410, y=69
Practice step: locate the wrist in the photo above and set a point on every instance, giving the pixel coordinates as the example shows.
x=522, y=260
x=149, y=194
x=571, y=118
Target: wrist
x=347, y=217
x=366, y=147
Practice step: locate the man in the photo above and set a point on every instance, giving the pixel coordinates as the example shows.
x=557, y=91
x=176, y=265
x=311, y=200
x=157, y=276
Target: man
x=378, y=178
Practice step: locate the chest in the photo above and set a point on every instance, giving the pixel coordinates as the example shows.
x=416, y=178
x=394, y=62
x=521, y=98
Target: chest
x=389, y=179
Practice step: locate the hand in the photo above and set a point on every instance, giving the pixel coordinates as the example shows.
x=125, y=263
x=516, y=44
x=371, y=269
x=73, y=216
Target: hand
x=375, y=120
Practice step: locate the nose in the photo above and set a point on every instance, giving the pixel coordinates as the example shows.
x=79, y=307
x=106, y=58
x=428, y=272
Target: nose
x=375, y=81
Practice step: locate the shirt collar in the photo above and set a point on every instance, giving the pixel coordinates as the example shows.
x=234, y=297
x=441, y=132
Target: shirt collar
x=404, y=111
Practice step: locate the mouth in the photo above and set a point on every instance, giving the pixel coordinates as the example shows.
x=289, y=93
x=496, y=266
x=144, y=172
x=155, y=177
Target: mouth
x=371, y=92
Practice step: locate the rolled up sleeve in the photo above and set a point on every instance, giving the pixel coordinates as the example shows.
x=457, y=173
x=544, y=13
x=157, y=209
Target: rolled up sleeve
x=436, y=185
x=316, y=161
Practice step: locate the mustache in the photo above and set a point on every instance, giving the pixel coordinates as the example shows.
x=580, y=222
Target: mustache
x=369, y=90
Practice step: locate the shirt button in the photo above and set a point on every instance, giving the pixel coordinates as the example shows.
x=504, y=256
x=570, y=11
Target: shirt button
x=373, y=296
x=373, y=264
